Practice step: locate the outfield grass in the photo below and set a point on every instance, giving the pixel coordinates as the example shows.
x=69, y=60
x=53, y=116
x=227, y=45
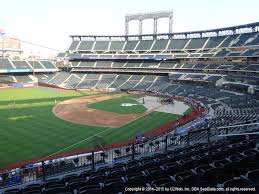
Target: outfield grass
x=31, y=130
x=114, y=105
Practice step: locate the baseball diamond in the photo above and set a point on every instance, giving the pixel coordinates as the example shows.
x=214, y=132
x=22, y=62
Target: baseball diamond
x=155, y=110
x=67, y=119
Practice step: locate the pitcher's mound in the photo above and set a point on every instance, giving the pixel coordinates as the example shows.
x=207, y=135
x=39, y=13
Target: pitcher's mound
x=76, y=111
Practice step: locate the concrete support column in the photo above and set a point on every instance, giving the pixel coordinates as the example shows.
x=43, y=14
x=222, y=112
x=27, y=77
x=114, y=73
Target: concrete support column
x=140, y=27
x=126, y=27
x=171, y=23
x=155, y=26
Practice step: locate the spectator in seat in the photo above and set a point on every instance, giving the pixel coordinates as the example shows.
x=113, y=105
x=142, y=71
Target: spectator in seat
x=10, y=182
x=1, y=180
x=18, y=178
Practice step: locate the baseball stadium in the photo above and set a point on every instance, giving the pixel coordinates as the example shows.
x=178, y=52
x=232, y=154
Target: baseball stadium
x=173, y=112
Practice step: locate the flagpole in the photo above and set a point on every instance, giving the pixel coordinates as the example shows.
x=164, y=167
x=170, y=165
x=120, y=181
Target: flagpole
x=33, y=69
x=2, y=35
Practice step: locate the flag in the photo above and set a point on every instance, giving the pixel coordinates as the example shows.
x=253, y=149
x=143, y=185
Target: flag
x=2, y=31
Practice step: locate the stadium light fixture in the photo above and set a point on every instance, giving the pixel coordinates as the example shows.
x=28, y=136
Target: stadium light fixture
x=2, y=37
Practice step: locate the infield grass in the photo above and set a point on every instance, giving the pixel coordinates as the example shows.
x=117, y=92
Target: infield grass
x=115, y=105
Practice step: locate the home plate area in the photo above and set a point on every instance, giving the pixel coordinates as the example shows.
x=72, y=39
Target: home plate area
x=153, y=103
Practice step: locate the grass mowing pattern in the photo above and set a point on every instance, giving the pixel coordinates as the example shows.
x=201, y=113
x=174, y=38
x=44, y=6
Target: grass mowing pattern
x=114, y=105
x=149, y=122
x=32, y=130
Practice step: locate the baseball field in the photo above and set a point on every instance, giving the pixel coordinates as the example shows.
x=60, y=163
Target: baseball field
x=33, y=121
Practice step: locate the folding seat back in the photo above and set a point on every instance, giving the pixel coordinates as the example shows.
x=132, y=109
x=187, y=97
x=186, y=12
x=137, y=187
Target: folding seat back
x=53, y=185
x=118, y=173
x=75, y=185
x=254, y=176
x=115, y=186
x=87, y=173
x=237, y=182
x=88, y=187
x=56, y=190
x=128, y=176
x=89, y=191
x=69, y=178
x=33, y=187
x=112, y=180
x=96, y=178
x=32, y=192
x=136, y=181
x=160, y=182
x=13, y=191
x=172, y=170
x=51, y=182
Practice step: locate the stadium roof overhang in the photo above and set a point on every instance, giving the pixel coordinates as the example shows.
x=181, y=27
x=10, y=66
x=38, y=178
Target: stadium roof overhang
x=245, y=28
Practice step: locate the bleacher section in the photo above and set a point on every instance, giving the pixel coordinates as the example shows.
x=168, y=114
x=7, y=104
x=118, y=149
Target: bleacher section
x=5, y=64
x=23, y=79
x=13, y=66
x=120, y=81
x=89, y=81
x=21, y=64
x=178, y=45
x=36, y=65
x=101, y=46
x=106, y=80
x=48, y=64
x=85, y=45
x=116, y=45
x=205, y=157
x=144, y=45
x=214, y=42
x=132, y=82
x=72, y=81
x=243, y=39
x=74, y=45
x=160, y=45
x=228, y=162
x=196, y=43
x=167, y=65
x=216, y=72
x=130, y=45
x=105, y=64
x=21, y=71
x=4, y=79
x=59, y=78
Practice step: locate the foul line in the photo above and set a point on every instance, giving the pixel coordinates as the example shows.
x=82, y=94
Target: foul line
x=83, y=140
x=72, y=145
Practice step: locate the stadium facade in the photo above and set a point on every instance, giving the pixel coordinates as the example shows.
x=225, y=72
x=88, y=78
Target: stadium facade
x=218, y=68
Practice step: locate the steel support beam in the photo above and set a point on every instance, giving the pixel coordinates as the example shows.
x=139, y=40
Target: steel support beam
x=140, y=27
x=151, y=15
x=126, y=27
x=155, y=26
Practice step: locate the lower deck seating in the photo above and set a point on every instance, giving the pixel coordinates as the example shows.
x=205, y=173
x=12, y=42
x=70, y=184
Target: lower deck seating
x=229, y=162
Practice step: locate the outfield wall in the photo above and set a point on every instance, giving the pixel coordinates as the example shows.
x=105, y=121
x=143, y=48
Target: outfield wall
x=18, y=85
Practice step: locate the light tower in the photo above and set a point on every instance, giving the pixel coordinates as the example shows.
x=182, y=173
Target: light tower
x=150, y=15
x=35, y=79
x=2, y=33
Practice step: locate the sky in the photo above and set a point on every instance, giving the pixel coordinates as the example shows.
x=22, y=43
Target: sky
x=50, y=22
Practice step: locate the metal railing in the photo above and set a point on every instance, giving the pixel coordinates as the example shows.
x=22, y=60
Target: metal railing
x=48, y=169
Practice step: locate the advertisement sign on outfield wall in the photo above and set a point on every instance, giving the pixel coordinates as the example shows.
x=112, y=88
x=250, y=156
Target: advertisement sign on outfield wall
x=23, y=85
x=19, y=70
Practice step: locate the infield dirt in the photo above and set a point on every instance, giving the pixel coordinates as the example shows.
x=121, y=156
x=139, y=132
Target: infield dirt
x=76, y=111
